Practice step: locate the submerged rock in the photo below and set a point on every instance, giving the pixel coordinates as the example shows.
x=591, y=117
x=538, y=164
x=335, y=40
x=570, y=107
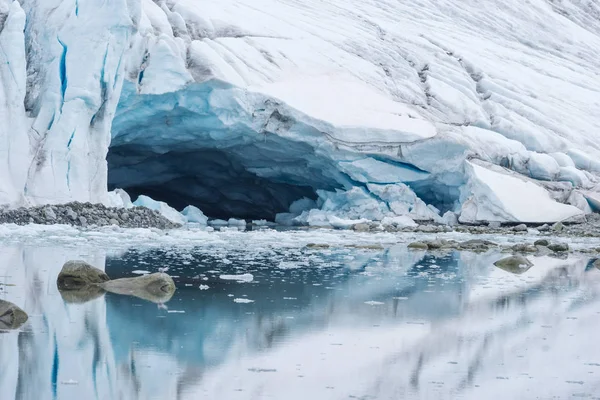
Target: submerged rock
x=515, y=264
x=157, y=288
x=541, y=242
x=11, y=316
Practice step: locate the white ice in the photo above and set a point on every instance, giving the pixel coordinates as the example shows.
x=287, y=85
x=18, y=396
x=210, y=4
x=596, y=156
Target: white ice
x=329, y=95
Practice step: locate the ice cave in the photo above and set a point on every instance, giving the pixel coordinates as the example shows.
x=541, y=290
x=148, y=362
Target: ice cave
x=252, y=115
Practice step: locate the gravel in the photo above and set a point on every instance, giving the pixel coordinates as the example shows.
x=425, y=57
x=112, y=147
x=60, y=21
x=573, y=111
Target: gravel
x=86, y=214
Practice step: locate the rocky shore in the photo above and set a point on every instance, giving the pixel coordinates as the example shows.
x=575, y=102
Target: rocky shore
x=87, y=215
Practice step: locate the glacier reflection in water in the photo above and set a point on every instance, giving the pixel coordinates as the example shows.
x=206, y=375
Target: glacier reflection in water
x=326, y=323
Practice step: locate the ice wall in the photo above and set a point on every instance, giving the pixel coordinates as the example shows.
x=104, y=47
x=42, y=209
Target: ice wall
x=301, y=99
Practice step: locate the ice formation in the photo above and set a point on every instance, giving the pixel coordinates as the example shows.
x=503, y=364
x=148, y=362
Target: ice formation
x=370, y=109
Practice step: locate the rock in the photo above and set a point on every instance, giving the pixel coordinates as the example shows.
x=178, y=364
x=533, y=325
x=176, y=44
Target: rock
x=514, y=264
x=11, y=316
x=157, y=288
x=362, y=227
x=541, y=242
x=317, y=246
x=597, y=264
x=558, y=247
x=81, y=294
x=77, y=274
x=436, y=244
x=83, y=221
x=478, y=242
x=428, y=228
x=494, y=225
x=113, y=221
x=524, y=248
x=418, y=246
x=558, y=227
x=544, y=228
x=49, y=213
x=520, y=228
x=125, y=216
x=72, y=215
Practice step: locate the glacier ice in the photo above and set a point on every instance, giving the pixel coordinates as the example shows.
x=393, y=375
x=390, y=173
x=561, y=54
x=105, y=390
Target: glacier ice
x=163, y=208
x=194, y=214
x=368, y=110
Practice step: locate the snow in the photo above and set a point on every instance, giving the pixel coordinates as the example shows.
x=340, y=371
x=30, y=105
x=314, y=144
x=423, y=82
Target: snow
x=242, y=107
x=498, y=196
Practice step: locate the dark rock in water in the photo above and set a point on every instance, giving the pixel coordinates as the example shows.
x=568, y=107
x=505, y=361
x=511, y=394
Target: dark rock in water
x=11, y=316
x=544, y=228
x=520, y=228
x=76, y=275
x=476, y=245
x=541, y=242
x=157, y=288
x=79, y=282
x=558, y=247
x=418, y=246
x=81, y=294
x=524, y=248
x=514, y=264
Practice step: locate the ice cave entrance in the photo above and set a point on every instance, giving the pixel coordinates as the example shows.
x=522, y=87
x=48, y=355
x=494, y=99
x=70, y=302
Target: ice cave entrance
x=174, y=148
x=216, y=181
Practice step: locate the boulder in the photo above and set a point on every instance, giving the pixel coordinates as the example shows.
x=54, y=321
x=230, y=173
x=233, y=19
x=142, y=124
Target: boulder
x=541, y=242
x=520, y=228
x=157, y=288
x=418, y=246
x=514, y=264
x=11, y=316
x=558, y=247
x=76, y=275
x=524, y=248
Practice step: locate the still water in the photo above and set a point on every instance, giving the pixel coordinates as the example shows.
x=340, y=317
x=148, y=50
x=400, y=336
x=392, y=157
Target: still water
x=316, y=322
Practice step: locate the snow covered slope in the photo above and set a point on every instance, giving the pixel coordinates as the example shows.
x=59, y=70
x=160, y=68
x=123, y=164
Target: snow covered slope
x=242, y=107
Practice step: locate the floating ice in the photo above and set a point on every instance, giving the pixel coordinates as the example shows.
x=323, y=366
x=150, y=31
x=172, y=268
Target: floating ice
x=194, y=214
x=242, y=300
x=239, y=278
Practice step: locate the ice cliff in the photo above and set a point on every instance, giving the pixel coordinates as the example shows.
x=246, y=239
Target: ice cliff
x=342, y=110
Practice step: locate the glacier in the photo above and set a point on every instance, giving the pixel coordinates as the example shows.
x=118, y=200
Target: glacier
x=475, y=111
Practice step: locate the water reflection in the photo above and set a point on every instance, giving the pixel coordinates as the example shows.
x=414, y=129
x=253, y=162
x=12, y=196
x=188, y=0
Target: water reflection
x=322, y=323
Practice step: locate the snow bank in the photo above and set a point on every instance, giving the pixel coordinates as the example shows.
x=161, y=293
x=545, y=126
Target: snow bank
x=500, y=196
